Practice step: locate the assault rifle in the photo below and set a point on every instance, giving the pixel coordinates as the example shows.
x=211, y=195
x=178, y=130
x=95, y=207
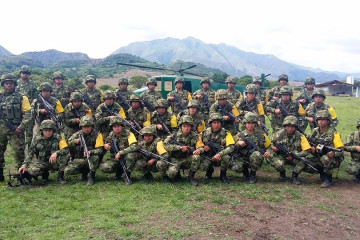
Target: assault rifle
x=190, y=149
x=51, y=112
x=23, y=179
x=127, y=123
x=283, y=110
x=323, y=149
x=151, y=155
x=115, y=150
x=123, y=103
x=148, y=104
x=178, y=102
x=206, y=102
x=230, y=114
x=86, y=151
x=251, y=145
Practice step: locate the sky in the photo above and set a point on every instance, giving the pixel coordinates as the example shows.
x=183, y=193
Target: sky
x=317, y=34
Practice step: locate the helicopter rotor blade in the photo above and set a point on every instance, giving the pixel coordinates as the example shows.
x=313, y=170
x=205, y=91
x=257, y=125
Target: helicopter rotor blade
x=139, y=66
x=194, y=74
x=192, y=66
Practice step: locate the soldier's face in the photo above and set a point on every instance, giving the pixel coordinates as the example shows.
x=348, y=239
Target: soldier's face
x=250, y=126
x=205, y=85
x=123, y=86
x=322, y=122
x=76, y=103
x=309, y=86
x=258, y=85
x=318, y=99
x=135, y=105
x=148, y=138
x=45, y=94
x=282, y=82
x=48, y=133
x=90, y=84
x=161, y=110
x=215, y=126
x=117, y=129
x=87, y=129
x=286, y=97
x=222, y=102
x=230, y=85
x=290, y=128
x=58, y=81
x=179, y=85
x=250, y=96
x=24, y=76
x=151, y=86
x=9, y=86
x=192, y=110
x=109, y=101
x=185, y=128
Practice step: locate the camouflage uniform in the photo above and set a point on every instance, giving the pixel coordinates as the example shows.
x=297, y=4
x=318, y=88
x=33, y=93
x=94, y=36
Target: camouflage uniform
x=260, y=94
x=182, y=160
x=234, y=95
x=94, y=142
x=293, y=108
x=151, y=96
x=275, y=91
x=226, y=143
x=183, y=97
x=230, y=124
x=16, y=109
x=306, y=94
x=198, y=119
x=167, y=118
x=93, y=97
x=210, y=97
x=42, y=148
x=352, y=141
x=125, y=94
x=312, y=109
x=62, y=93
x=141, y=115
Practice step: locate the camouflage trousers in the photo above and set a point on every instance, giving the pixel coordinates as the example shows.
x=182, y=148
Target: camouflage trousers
x=330, y=163
x=17, y=143
x=278, y=162
x=29, y=134
x=223, y=163
x=191, y=162
x=353, y=168
x=253, y=161
x=38, y=168
x=142, y=166
x=68, y=132
x=111, y=165
x=79, y=165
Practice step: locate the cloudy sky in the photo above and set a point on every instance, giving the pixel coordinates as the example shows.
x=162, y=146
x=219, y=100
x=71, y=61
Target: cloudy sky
x=317, y=34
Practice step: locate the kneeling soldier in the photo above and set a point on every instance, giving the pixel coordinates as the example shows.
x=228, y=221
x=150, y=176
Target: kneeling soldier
x=352, y=145
x=124, y=141
x=87, y=145
x=51, y=153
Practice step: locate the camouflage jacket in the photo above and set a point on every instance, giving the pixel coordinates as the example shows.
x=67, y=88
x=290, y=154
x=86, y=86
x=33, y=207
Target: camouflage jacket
x=94, y=98
x=192, y=140
x=152, y=96
x=29, y=89
x=330, y=137
x=141, y=115
x=102, y=116
x=126, y=96
x=261, y=96
x=156, y=146
x=293, y=108
x=94, y=142
x=71, y=113
x=37, y=105
x=258, y=137
x=42, y=148
x=229, y=107
x=312, y=109
x=307, y=95
x=352, y=141
x=274, y=92
x=181, y=100
x=62, y=93
x=222, y=137
x=168, y=119
x=255, y=106
x=233, y=96
x=126, y=143
x=198, y=119
x=205, y=106
x=296, y=142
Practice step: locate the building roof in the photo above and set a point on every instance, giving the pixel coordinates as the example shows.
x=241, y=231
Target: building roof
x=333, y=83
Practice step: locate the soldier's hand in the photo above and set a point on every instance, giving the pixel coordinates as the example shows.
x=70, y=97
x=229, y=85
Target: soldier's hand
x=18, y=131
x=226, y=118
x=197, y=152
x=266, y=155
x=330, y=154
x=277, y=111
x=77, y=141
x=107, y=146
x=216, y=157
x=150, y=162
x=237, y=120
x=77, y=120
x=289, y=158
x=111, y=117
x=53, y=157
x=170, y=98
x=117, y=156
x=357, y=148
x=313, y=150
x=43, y=111
x=275, y=98
x=241, y=143
x=302, y=101
x=275, y=149
x=206, y=148
x=184, y=149
x=22, y=170
x=159, y=127
x=199, y=96
x=310, y=119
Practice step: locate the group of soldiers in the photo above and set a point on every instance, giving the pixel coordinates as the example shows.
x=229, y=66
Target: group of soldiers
x=70, y=131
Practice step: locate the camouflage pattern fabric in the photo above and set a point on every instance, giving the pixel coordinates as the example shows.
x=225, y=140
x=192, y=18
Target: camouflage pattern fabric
x=70, y=114
x=62, y=93
x=351, y=142
x=95, y=96
x=233, y=96
x=151, y=96
x=312, y=109
x=184, y=97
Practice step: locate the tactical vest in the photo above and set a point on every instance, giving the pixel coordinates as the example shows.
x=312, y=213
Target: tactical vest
x=90, y=140
x=10, y=106
x=45, y=147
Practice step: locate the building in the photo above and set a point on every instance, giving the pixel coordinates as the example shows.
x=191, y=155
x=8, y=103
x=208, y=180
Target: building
x=336, y=88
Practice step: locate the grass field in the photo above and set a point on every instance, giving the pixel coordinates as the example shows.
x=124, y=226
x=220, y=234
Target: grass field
x=111, y=210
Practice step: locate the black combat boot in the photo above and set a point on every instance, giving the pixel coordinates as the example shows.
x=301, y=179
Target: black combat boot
x=118, y=174
x=357, y=178
x=282, y=176
x=209, y=173
x=147, y=177
x=127, y=181
x=252, y=177
x=223, y=177
x=327, y=181
x=166, y=179
x=246, y=174
x=2, y=178
x=45, y=177
x=178, y=176
x=295, y=178
x=60, y=177
x=192, y=179
x=84, y=175
x=91, y=180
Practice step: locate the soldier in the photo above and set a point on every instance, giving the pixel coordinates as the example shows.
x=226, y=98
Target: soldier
x=51, y=153
x=352, y=145
x=233, y=95
x=296, y=143
x=227, y=110
x=85, y=162
x=274, y=93
x=29, y=89
x=305, y=97
x=318, y=104
x=73, y=112
x=106, y=111
x=126, y=143
x=193, y=109
x=151, y=95
x=61, y=91
x=326, y=135
x=248, y=157
x=151, y=144
x=205, y=97
x=38, y=109
x=260, y=94
x=283, y=107
x=219, y=143
x=92, y=96
x=14, y=117
x=163, y=120
x=179, y=98
x=185, y=148
x=123, y=94
x=138, y=114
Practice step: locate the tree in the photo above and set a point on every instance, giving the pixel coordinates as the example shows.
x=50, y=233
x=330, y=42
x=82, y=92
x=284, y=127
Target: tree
x=244, y=80
x=138, y=81
x=220, y=77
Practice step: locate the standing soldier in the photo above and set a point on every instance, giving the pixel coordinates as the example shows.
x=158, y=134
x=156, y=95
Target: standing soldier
x=151, y=95
x=326, y=135
x=247, y=156
x=29, y=89
x=92, y=96
x=227, y=110
x=317, y=105
x=205, y=97
x=14, y=117
x=162, y=119
x=60, y=91
x=179, y=98
x=305, y=97
x=260, y=94
x=296, y=143
x=352, y=145
x=73, y=112
x=233, y=95
x=85, y=162
x=219, y=143
x=106, y=111
x=151, y=144
x=185, y=148
x=283, y=107
x=123, y=94
x=51, y=153
x=138, y=114
x=274, y=93
x=192, y=110
x=127, y=145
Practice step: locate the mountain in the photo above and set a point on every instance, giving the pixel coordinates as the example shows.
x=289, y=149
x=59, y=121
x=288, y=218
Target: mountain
x=224, y=57
x=4, y=52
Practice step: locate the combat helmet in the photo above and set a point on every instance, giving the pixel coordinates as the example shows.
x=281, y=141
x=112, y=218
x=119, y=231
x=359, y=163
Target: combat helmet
x=123, y=80
x=45, y=86
x=256, y=80
x=323, y=114
x=221, y=94
x=58, y=75
x=116, y=121
x=89, y=78
x=319, y=92
x=86, y=121
x=47, y=124
x=134, y=98
x=206, y=80
x=108, y=94
x=76, y=96
x=309, y=80
x=250, y=117
x=194, y=104
x=149, y=130
x=250, y=88
x=179, y=80
x=8, y=77
x=230, y=79
x=25, y=69
x=283, y=77
x=285, y=90
x=186, y=119
x=290, y=120
x=151, y=80
x=161, y=103
x=215, y=117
